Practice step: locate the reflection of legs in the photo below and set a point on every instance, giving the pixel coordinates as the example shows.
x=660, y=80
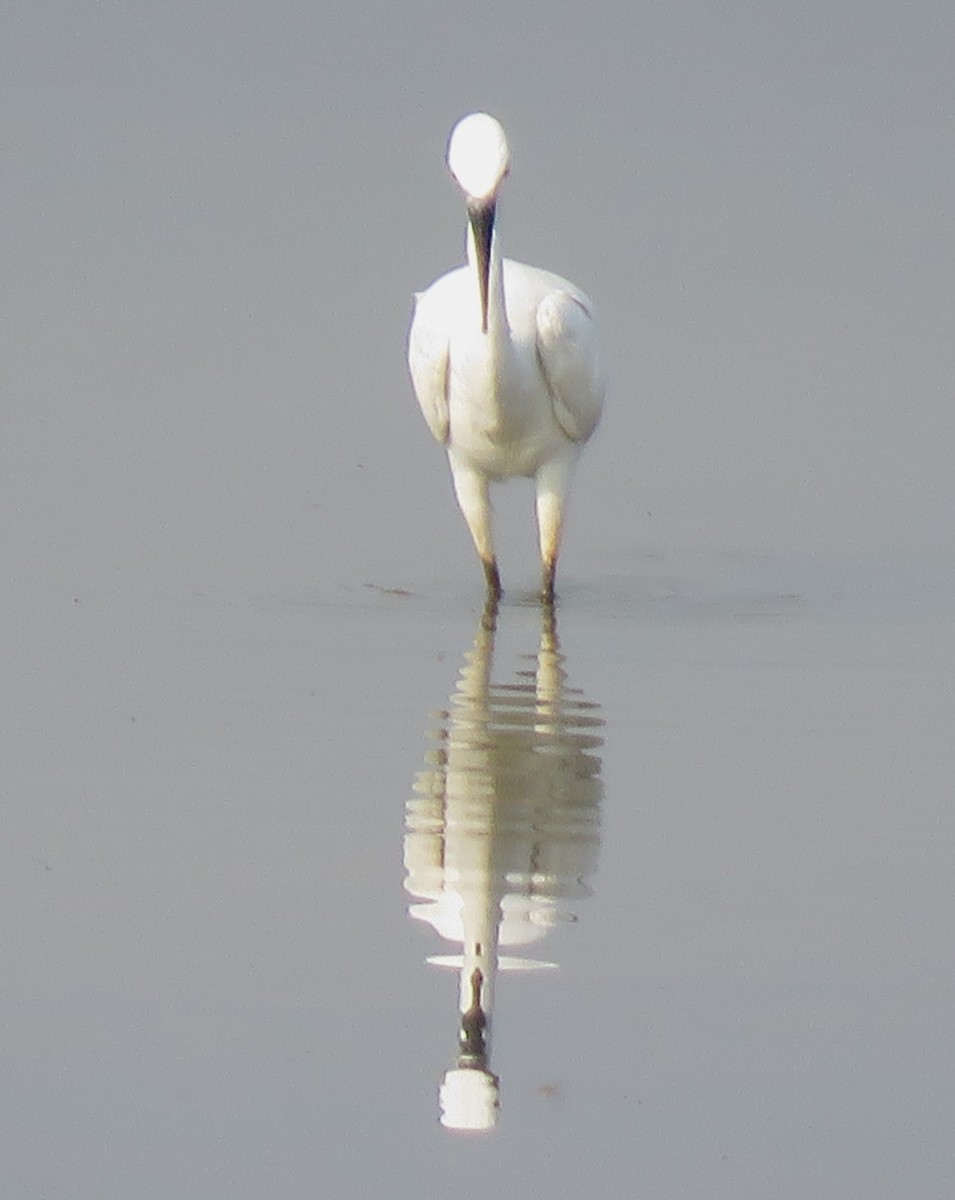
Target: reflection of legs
x=553, y=480
x=470, y=487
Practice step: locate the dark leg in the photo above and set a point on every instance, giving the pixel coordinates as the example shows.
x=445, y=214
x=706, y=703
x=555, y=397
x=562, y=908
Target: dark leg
x=547, y=581
x=493, y=577
x=489, y=615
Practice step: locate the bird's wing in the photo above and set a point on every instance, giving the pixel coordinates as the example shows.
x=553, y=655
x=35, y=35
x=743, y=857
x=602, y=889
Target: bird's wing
x=570, y=361
x=429, y=360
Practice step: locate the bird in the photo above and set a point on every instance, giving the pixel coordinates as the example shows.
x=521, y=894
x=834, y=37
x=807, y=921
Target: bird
x=505, y=363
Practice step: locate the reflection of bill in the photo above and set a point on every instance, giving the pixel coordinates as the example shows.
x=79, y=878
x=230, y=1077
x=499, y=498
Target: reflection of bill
x=501, y=835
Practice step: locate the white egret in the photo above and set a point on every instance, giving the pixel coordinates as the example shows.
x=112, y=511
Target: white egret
x=504, y=362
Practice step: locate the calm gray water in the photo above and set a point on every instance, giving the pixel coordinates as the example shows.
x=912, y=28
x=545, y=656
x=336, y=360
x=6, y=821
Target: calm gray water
x=213, y=987
x=251, y=715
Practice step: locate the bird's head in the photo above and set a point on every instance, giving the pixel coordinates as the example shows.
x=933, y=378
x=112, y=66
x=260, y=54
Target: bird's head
x=478, y=157
x=479, y=160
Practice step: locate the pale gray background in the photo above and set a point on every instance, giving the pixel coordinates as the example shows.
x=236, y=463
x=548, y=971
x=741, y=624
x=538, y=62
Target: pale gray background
x=213, y=216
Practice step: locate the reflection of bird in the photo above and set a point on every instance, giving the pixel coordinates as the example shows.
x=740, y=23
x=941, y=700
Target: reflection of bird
x=504, y=362
x=501, y=835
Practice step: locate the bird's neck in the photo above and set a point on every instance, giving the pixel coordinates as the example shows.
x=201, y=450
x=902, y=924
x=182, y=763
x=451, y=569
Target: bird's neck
x=495, y=403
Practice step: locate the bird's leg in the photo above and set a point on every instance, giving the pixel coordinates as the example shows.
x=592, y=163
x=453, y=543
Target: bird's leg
x=548, y=573
x=471, y=489
x=489, y=616
x=552, y=482
x=493, y=577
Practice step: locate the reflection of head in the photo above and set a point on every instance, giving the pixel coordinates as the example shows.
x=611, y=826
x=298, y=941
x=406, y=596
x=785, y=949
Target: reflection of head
x=469, y=1099
x=469, y=1092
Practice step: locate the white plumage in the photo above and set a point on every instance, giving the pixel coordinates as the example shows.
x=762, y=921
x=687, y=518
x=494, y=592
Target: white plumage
x=504, y=362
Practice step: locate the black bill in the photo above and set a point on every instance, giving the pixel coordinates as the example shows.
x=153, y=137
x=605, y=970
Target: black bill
x=481, y=216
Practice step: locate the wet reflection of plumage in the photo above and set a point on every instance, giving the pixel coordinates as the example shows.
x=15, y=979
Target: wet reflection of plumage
x=502, y=834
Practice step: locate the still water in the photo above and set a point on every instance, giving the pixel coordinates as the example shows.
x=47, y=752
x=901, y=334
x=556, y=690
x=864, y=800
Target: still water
x=370, y=892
